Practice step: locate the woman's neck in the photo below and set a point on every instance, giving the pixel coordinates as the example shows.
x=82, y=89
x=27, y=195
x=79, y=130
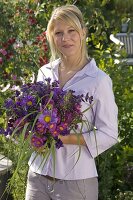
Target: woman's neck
x=72, y=64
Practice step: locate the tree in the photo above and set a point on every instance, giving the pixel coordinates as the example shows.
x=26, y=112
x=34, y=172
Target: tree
x=23, y=48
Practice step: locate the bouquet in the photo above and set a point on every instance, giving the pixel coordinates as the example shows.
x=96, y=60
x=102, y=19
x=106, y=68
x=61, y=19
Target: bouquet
x=36, y=115
x=39, y=112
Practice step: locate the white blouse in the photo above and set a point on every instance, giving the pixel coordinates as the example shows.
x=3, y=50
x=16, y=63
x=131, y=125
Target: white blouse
x=103, y=116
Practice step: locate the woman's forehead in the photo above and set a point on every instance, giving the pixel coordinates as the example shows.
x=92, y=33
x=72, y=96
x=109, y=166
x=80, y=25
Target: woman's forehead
x=58, y=24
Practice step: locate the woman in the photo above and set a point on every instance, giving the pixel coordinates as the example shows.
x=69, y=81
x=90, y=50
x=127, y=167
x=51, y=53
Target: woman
x=74, y=69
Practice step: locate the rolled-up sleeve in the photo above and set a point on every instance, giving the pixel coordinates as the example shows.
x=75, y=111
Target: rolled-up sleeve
x=105, y=120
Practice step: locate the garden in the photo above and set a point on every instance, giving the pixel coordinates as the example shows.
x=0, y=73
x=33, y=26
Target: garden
x=24, y=49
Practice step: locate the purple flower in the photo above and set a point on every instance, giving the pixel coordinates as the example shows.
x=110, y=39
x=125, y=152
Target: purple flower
x=17, y=93
x=25, y=88
x=48, y=80
x=8, y=131
x=63, y=129
x=9, y=103
x=37, y=141
x=58, y=143
x=48, y=117
x=65, y=132
x=19, y=111
x=55, y=84
x=51, y=127
x=40, y=128
x=18, y=102
x=20, y=122
x=2, y=131
x=55, y=133
x=29, y=101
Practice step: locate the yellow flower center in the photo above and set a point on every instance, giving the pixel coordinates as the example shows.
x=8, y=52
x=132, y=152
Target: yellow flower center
x=61, y=128
x=47, y=119
x=29, y=103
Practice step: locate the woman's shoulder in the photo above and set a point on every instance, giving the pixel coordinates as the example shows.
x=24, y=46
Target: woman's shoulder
x=98, y=73
x=50, y=65
x=103, y=77
x=46, y=71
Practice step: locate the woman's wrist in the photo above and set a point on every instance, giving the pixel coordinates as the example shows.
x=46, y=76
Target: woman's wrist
x=72, y=139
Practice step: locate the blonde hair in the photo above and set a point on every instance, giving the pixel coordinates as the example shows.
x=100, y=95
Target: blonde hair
x=71, y=15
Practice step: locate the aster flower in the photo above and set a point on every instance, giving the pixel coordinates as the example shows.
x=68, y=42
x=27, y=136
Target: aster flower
x=51, y=127
x=9, y=103
x=40, y=128
x=37, y=141
x=28, y=101
x=55, y=133
x=61, y=129
x=48, y=117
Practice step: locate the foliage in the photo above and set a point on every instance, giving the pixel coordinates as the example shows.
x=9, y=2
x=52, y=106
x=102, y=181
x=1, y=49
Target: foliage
x=22, y=33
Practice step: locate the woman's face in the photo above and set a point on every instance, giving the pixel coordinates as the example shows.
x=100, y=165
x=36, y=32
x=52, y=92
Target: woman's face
x=67, y=39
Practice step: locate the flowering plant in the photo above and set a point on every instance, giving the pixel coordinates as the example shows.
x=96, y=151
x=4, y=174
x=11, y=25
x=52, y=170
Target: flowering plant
x=42, y=112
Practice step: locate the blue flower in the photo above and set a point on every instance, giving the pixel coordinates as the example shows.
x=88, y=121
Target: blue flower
x=2, y=131
x=58, y=143
x=29, y=101
x=9, y=103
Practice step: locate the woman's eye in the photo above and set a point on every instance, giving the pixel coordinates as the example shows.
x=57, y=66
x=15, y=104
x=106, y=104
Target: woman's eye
x=58, y=33
x=71, y=30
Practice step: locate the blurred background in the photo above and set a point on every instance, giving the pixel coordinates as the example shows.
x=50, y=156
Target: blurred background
x=24, y=49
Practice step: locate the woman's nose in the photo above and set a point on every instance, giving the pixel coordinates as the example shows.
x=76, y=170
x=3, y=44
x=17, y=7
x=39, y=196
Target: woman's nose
x=65, y=36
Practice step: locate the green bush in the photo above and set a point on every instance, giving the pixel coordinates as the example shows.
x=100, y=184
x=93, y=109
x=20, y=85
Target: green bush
x=23, y=49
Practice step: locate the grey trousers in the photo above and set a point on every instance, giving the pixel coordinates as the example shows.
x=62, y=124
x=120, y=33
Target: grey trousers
x=42, y=188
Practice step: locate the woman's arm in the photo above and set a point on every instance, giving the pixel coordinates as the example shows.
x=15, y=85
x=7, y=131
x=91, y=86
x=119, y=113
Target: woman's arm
x=106, y=123
x=73, y=139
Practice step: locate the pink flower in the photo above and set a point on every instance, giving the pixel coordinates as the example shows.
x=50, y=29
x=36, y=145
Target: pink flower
x=37, y=142
x=62, y=129
x=52, y=127
x=3, y=52
x=40, y=128
x=55, y=133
